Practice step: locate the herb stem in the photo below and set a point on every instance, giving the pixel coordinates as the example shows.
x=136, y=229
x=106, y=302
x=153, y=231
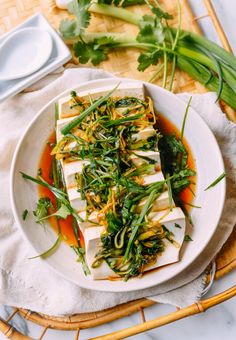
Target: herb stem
x=222, y=176
x=184, y=120
x=116, y=12
x=137, y=223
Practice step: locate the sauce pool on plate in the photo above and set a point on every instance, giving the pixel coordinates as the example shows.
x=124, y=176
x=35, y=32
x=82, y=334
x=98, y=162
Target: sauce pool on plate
x=167, y=128
x=45, y=164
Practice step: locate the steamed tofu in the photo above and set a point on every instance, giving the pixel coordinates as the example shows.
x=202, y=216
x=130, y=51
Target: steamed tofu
x=152, y=155
x=76, y=201
x=90, y=221
x=170, y=219
x=63, y=122
x=133, y=89
x=166, y=217
x=161, y=203
x=70, y=169
x=92, y=237
x=66, y=109
x=157, y=177
x=143, y=134
x=170, y=255
x=60, y=124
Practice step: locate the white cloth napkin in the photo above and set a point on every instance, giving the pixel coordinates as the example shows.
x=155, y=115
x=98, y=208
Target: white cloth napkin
x=31, y=283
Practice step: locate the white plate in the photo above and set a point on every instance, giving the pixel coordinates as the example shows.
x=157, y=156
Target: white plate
x=209, y=163
x=60, y=55
x=24, y=52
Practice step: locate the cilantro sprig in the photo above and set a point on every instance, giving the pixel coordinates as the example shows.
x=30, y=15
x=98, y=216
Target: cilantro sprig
x=74, y=27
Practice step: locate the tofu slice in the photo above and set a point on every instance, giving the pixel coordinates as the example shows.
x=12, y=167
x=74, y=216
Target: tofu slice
x=153, y=155
x=92, y=220
x=157, y=177
x=169, y=219
x=70, y=169
x=170, y=254
x=76, y=201
x=65, y=109
x=60, y=124
x=133, y=89
x=161, y=203
x=92, y=238
x=144, y=134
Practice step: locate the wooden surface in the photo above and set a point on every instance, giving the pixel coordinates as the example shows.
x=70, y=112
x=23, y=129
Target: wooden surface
x=122, y=63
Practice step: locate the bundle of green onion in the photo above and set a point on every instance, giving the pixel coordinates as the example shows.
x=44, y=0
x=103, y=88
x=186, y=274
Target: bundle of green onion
x=159, y=44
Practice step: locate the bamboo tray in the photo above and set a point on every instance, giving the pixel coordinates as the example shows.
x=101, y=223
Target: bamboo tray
x=123, y=63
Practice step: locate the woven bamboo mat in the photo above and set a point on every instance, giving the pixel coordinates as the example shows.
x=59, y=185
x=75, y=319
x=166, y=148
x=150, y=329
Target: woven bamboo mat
x=122, y=63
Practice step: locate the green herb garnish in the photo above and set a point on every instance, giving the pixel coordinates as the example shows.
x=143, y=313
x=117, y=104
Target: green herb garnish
x=185, y=117
x=136, y=223
x=43, y=205
x=50, y=251
x=80, y=252
x=62, y=212
x=216, y=181
x=25, y=214
x=187, y=238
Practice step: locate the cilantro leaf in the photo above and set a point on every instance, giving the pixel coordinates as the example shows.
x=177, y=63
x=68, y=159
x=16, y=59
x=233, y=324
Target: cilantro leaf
x=80, y=9
x=147, y=59
x=151, y=31
x=71, y=28
x=43, y=205
x=161, y=14
x=151, y=27
x=147, y=19
x=62, y=212
x=89, y=52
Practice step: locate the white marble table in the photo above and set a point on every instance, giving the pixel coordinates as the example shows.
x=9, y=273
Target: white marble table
x=218, y=323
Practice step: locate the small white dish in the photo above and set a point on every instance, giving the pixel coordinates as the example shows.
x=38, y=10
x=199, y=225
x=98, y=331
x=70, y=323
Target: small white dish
x=209, y=166
x=60, y=54
x=24, y=52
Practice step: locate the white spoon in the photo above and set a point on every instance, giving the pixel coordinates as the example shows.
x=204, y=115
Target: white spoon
x=24, y=52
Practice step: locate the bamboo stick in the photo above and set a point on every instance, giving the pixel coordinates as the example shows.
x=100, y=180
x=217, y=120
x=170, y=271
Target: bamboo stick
x=196, y=308
x=10, y=332
x=218, y=26
x=87, y=320
x=195, y=27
